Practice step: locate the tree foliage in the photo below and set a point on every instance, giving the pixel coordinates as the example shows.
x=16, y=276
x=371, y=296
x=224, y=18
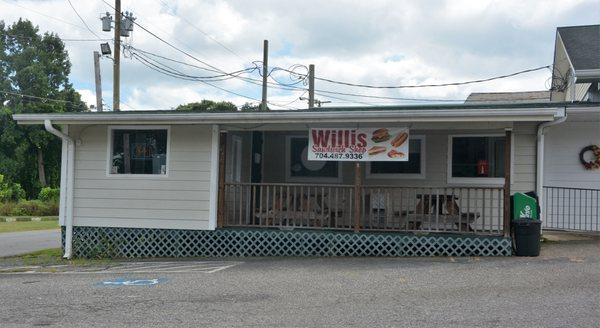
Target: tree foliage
x=38, y=65
x=208, y=106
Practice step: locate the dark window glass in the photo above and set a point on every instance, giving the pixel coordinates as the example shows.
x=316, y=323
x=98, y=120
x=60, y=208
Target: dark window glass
x=412, y=166
x=471, y=154
x=139, y=152
x=300, y=166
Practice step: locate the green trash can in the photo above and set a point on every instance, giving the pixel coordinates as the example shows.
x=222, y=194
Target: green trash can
x=526, y=226
x=524, y=207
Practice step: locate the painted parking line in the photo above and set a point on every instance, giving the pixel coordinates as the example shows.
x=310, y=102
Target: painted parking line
x=172, y=267
x=130, y=268
x=133, y=282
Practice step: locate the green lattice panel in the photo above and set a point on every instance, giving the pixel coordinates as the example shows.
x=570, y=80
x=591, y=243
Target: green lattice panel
x=130, y=242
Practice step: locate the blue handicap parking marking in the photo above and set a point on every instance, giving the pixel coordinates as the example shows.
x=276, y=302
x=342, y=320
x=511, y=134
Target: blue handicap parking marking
x=133, y=282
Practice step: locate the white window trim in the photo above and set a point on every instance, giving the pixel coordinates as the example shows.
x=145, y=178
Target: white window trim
x=234, y=173
x=288, y=176
x=477, y=181
x=109, y=147
x=421, y=175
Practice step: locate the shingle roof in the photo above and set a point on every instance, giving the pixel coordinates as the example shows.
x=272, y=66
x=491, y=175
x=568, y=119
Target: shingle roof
x=582, y=44
x=509, y=97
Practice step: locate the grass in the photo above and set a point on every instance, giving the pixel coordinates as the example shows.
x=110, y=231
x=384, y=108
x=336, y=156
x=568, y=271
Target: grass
x=28, y=226
x=47, y=257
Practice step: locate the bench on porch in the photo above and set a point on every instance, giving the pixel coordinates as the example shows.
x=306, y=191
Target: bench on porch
x=430, y=209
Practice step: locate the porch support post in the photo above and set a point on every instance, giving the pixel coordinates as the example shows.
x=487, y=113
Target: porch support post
x=507, y=174
x=221, y=192
x=357, y=194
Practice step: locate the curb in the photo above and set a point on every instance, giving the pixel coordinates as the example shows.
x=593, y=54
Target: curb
x=28, y=218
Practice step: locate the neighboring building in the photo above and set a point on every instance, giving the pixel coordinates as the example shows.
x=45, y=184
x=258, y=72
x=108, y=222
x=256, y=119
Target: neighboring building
x=509, y=97
x=571, y=192
x=576, y=64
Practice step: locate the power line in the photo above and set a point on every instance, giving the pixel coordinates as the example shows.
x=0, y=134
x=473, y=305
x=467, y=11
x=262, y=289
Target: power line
x=170, y=44
x=285, y=87
x=434, y=85
x=277, y=84
x=42, y=14
x=236, y=73
x=35, y=97
x=201, y=31
x=16, y=36
x=83, y=21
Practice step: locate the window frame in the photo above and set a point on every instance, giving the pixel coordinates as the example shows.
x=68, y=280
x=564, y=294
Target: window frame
x=476, y=180
x=288, y=176
x=420, y=176
x=109, y=147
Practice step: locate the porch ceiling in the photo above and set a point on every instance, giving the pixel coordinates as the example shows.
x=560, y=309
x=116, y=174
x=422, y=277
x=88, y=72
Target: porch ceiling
x=463, y=113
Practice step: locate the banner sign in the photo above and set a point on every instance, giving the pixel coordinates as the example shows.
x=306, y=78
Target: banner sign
x=362, y=144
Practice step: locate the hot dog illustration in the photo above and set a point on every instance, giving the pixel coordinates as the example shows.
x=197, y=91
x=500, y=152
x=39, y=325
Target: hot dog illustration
x=376, y=150
x=399, y=140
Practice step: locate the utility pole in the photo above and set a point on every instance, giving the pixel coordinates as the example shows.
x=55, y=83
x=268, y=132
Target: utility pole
x=117, y=57
x=311, y=86
x=265, y=74
x=98, y=81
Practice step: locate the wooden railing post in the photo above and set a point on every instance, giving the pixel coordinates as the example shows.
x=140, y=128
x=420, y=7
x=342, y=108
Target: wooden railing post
x=507, y=167
x=357, y=196
x=221, y=192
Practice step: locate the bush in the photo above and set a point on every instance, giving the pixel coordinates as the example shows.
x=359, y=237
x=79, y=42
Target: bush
x=35, y=208
x=6, y=209
x=29, y=208
x=48, y=194
x=10, y=191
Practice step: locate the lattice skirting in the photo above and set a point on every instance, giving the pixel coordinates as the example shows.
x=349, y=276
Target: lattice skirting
x=136, y=242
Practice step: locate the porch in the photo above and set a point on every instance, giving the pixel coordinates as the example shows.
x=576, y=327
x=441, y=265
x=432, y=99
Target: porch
x=260, y=188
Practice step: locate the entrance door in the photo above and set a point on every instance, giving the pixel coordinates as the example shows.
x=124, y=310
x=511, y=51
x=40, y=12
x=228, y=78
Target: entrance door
x=257, y=156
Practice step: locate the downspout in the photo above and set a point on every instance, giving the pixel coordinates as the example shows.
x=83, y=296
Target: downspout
x=69, y=187
x=539, y=188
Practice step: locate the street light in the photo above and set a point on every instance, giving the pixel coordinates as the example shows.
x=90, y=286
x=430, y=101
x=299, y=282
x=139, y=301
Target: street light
x=105, y=48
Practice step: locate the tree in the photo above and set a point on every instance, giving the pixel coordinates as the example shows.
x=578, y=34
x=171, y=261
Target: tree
x=36, y=65
x=249, y=107
x=208, y=106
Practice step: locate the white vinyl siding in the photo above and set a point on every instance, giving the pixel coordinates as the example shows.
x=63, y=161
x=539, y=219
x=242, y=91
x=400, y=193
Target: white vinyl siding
x=177, y=201
x=561, y=156
x=524, y=157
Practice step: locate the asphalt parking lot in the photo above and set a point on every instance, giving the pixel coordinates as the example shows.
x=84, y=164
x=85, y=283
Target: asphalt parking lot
x=558, y=289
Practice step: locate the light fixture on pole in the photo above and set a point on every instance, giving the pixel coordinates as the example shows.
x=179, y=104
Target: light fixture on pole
x=105, y=48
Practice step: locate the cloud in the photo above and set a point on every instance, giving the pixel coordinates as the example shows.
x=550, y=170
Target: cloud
x=372, y=42
x=88, y=96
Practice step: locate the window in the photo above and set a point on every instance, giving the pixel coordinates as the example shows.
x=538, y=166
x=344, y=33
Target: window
x=476, y=157
x=413, y=168
x=142, y=151
x=299, y=168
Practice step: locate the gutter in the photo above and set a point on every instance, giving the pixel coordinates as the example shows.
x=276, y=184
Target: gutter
x=303, y=117
x=69, y=185
x=540, y=154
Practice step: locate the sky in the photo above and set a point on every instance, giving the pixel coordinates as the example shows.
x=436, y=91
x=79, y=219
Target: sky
x=374, y=42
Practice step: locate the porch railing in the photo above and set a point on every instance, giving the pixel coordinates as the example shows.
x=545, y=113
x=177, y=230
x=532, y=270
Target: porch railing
x=571, y=208
x=381, y=208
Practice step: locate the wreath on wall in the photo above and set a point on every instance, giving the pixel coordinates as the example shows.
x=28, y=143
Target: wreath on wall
x=591, y=165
